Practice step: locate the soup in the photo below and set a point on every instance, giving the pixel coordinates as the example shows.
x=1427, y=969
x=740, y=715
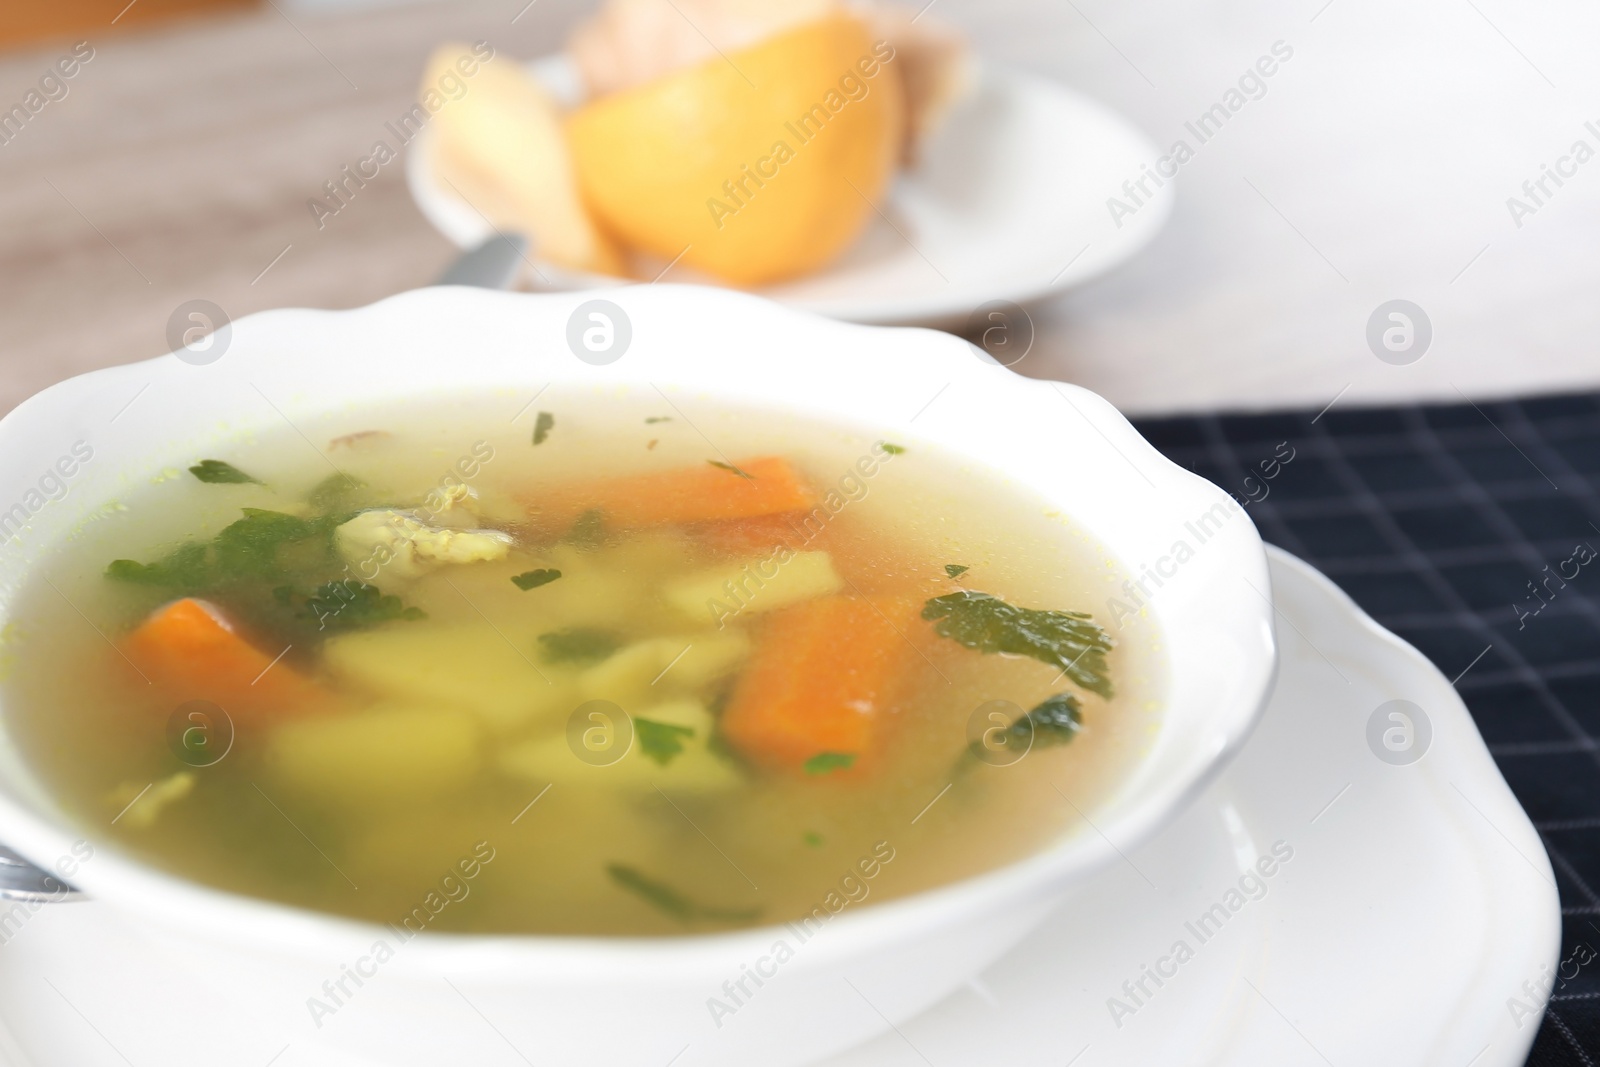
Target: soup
x=587, y=666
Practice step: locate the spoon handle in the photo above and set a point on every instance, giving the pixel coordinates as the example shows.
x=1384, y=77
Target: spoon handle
x=22, y=881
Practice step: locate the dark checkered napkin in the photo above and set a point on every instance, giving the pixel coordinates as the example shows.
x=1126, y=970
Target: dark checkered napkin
x=1472, y=531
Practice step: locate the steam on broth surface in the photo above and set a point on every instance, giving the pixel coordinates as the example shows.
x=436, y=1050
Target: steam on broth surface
x=601, y=666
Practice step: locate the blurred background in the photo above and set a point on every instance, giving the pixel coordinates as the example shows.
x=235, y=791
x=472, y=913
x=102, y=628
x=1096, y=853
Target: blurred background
x=1439, y=152
x=1377, y=167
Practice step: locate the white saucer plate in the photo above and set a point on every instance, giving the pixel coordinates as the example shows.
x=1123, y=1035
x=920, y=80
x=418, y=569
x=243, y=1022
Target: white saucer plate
x=1414, y=902
x=1009, y=202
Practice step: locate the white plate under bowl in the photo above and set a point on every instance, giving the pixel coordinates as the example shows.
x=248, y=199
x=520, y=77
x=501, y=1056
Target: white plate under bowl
x=1007, y=203
x=1417, y=900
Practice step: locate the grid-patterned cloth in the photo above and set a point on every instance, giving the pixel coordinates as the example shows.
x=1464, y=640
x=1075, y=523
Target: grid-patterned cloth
x=1472, y=531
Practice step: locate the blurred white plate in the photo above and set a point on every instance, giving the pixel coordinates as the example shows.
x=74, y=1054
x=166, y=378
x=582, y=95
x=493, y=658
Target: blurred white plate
x=1008, y=203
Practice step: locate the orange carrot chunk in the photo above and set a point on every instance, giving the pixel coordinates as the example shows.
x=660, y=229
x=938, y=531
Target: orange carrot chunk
x=758, y=534
x=192, y=651
x=703, y=493
x=821, y=682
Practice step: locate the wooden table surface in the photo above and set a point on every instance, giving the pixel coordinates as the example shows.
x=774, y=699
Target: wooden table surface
x=180, y=163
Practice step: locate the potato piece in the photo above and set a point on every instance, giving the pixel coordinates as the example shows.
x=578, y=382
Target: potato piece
x=710, y=656
x=690, y=713
x=649, y=551
x=373, y=759
x=486, y=593
x=624, y=677
x=695, y=770
x=142, y=805
x=591, y=598
x=458, y=666
x=649, y=669
x=763, y=584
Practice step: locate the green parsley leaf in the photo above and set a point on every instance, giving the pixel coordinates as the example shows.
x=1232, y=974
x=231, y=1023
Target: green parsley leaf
x=893, y=450
x=265, y=545
x=1063, y=639
x=670, y=900
x=250, y=546
x=717, y=742
x=542, y=425
x=653, y=419
x=1055, y=721
x=731, y=469
x=588, y=531
x=265, y=569
x=534, y=579
x=660, y=894
x=955, y=570
x=216, y=472
x=828, y=762
x=336, y=492
x=579, y=645
x=186, y=567
x=812, y=838
x=348, y=605
x=660, y=741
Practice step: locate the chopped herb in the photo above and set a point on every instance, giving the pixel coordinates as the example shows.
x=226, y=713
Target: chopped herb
x=955, y=570
x=186, y=567
x=660, y=741
x=828, y=762
x=579, y=645
x=534, y=579
x=717, y=744
x=263, y=544
x=672, y=902
x=267, y=569
x=347, y=605
x=893, y=450
x=1064, y=639
x=216, y=472
x=252, y=545
x=336, y=492
x=653, y=419
x=812, y=838
x=588, y=531
x=662, y=896
x=1056, y=721
x=731, y=469
x=542, y=425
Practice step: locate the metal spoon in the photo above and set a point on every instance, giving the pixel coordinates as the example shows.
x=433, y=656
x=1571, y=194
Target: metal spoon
x=491, y=265
x=22, y=881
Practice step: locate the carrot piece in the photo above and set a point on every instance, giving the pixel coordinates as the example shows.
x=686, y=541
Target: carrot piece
x=757, y=534
x=704, y=493
x=821, y=681
x=191, y=650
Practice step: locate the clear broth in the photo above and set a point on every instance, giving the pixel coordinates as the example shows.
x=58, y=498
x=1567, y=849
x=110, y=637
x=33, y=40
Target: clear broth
x=500, y=852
